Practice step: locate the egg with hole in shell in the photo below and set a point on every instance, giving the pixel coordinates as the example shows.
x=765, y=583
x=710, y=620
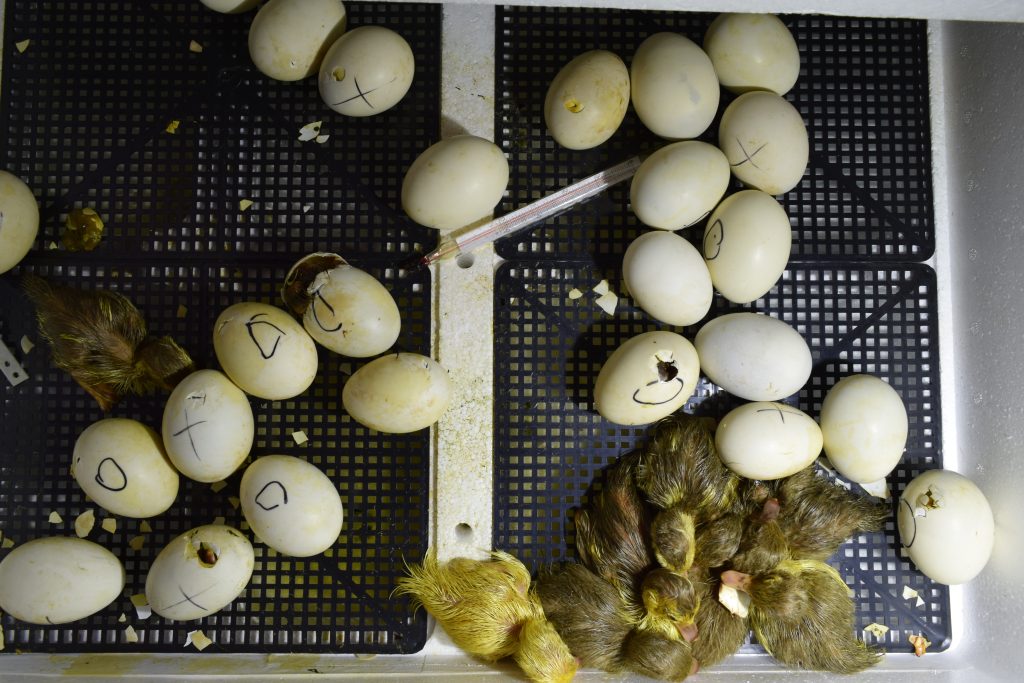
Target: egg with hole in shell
x=587, y=100
x=397, y=393
x=366, y=71
x=646, y=378
x=291, y=505
x=200, y=572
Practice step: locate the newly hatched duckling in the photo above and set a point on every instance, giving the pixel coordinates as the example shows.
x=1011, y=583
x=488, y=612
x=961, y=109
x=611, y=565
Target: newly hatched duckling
x=588, y=613
x=653, y=655
x=611, y=532
x=719, y=632
x=543, y=655
x=671, y=602
x=673, y=539
x=718, y=540
x=100, y=339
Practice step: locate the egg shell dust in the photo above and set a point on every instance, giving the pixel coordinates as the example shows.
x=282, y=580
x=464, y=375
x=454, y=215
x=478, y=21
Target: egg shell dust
x=58, y=580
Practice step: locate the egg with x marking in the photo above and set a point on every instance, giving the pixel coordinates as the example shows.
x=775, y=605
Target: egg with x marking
x=367, y=71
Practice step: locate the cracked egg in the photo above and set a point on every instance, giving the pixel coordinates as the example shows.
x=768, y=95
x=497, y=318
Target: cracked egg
x=647, y=378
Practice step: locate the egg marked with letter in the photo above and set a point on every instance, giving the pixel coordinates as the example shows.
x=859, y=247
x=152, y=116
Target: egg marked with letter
x=764, y=138
x=378, y=57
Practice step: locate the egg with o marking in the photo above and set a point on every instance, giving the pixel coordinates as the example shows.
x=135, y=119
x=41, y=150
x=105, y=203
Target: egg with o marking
x=288, y=38
x=455, y=182
x=753, y=52
x=646, y=378
x=121, y=464
x=673, y=86
x=765, y=440
x=753, y=356
x=264, y=351
x=375, y=55
x=679, y=185
x=397, y=393
x=764, y=138
x=291, y=505
x=746, y=245
x=208, y=426
x=946, y=526
x=200, y=572
x=667, y=278
x=19, y=220
x=587, y=100
x=865, y=426
x=58, y=580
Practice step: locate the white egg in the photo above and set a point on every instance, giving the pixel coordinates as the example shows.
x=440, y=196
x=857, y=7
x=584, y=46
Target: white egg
x=200, y=572
x=346, y=309
x=19, y=220
x=746, y=245
x=291, y=505
x=865, y=426
x=455, y=182
x=753, y=52
x=288, y=38
x=765, y=141
x=587, y=100
x=667, y=278
x=679, y=184
x=673, y=85
x=58, y=580
x=753, y=356
x=648, y=377
x=230, y=6
x=397, y=393
x=121, y=465
x=264, y=351
x=946, y=526
x=765, y=440
x=207, y=426
x=367, y=71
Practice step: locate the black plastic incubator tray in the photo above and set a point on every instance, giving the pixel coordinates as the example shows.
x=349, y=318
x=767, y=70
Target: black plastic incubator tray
x=855, y=287
x=85, y=114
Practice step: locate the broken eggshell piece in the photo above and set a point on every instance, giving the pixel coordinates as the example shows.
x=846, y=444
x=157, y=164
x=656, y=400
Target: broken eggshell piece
x=291, y=505
x=647, y=378
x=208, y=426
x=199, y=572
x=345, y=309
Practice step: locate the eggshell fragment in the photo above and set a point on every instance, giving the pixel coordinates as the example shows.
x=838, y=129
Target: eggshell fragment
x=288, y=38
x=679, y=185
x=397, y=393
x=764, y=440
x=587, y=100
x=946, y=526
x=673, y=86
x=291, y=505
x=646, y=378
x=764, y=138
x=58, y=580
x=667, y=278
x=200, y=572
x=865, y=426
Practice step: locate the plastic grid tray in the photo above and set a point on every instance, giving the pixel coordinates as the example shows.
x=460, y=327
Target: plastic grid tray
x=90, y=131
x=846, y=290
x=862, y=91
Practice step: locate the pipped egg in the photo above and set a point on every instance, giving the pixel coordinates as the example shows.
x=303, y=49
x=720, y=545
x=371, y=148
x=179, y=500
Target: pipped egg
x=753, y=52
x=122, y=466
x=946, y=526
x=764, y=440
x=674, y=88
x=367, y=71
x=342, y=307
x=19, y=220
x=746, y=245
x=765, y=141
x=264, y=351
x=865, y=426
x=667, y=278
x=288, y=38
x=397, y=393
x=587, y=100
x=455, y=182
x=648, y=377
x=679, y=184
x=200, y=572
x=208, y=426
x=753, y=356
x=59, y=579
x=291, y=505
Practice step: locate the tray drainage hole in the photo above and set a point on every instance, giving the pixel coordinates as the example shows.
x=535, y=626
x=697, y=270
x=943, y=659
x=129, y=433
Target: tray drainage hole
x=464, y=261
x=463, y=532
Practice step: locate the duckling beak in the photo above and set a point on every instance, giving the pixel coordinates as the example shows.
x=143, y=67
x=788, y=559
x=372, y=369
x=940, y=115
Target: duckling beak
x=737, y=580
x=688, y=632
